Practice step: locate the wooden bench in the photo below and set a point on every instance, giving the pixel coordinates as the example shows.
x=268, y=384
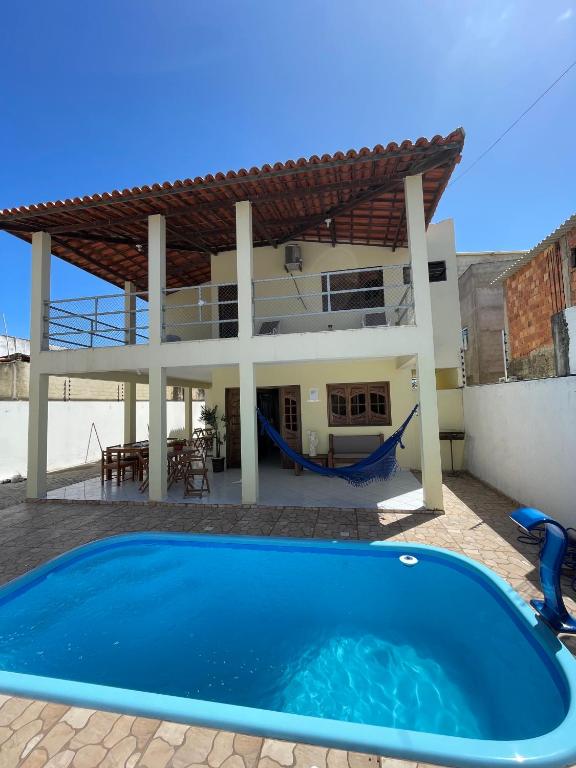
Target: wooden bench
x=348, y=449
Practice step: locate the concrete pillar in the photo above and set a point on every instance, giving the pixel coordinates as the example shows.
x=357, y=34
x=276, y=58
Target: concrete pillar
x=129, y=411
x=188, y=405
x=129, y=386
x=157, y=469
x=244, y=267
x=428, y=414
x=38, y=387
x=249, y=433
x=40, y=291
x=156, y=276
x=37, y=435
x=156, y=374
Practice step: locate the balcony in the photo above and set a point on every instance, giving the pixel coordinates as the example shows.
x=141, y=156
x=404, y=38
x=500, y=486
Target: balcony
x=292, y=303
x=96, y=321
x=338, y=300
x=208, y=311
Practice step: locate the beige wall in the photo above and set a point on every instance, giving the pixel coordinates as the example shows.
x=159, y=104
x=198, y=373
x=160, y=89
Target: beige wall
x=315, y=415
x=319, y=258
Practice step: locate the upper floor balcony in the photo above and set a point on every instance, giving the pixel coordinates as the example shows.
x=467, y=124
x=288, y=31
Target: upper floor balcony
x=291, y=303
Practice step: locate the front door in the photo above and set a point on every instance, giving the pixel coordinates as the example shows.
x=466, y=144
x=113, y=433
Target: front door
x=290, y=423
x=232, y=407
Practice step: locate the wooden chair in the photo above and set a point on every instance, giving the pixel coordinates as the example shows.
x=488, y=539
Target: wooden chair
x=196, y=467
x=144, y=467
x=114, y=463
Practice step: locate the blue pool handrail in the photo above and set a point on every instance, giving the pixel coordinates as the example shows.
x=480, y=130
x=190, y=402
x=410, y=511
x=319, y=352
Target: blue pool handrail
x=552, y=608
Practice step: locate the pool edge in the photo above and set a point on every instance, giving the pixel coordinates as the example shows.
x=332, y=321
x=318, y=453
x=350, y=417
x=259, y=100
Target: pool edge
x=546, y=751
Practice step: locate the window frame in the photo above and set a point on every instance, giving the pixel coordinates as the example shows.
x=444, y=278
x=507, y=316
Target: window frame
x=358, y=389
x=330, y=295
x=442, y=271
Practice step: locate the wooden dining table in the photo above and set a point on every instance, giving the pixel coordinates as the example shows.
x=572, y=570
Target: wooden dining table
x=138, y=450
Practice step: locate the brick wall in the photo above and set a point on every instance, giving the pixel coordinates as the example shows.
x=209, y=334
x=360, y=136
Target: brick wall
x=571, y=238
x=533, y=295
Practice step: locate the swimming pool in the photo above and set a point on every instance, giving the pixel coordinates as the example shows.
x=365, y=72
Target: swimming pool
x=336, y=643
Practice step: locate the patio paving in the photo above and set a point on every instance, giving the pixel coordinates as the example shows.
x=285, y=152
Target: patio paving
x=278, y=487
x=35, y=734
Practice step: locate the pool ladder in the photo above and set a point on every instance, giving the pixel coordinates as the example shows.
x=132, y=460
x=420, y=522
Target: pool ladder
x=552, y=608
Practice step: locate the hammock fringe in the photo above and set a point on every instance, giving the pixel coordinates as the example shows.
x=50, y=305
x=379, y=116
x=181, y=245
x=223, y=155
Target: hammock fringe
x=381, y=464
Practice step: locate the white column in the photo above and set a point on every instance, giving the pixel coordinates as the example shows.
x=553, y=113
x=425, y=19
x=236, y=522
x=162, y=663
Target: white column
x=428, y=413
x=244, y=268
x=37, y=435
x=156, y=374
x=188, y=424
x=129, y=411
x=129, y=386
x=157, y=469
x=249, y=433
x=156, y=276
x=38, y=387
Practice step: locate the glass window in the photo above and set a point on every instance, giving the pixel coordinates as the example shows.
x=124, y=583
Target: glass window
x=352, y=289
x=437, y=271
x=361, y=404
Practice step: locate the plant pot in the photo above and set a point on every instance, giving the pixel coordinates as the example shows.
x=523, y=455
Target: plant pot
x=218, y=463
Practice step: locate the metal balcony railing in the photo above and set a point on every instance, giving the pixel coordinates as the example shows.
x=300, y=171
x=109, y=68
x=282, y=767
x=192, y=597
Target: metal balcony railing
x=208, y=311
x=337, y=300
x=96, y=321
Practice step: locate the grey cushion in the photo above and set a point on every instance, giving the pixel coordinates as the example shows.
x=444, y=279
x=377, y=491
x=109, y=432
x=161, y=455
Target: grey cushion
x=355, y=444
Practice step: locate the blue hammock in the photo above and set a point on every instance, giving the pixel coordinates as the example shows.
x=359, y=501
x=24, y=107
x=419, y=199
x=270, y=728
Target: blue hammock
x=379, y=465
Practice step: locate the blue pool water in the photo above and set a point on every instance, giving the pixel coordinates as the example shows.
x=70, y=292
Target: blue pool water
x=334, y=631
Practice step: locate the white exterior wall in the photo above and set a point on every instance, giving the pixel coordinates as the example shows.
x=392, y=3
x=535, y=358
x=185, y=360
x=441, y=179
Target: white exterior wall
x=69, y=430
x=521, y=439
x=445, y=297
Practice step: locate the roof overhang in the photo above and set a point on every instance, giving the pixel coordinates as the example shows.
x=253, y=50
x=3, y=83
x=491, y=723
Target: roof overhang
x=353, y=197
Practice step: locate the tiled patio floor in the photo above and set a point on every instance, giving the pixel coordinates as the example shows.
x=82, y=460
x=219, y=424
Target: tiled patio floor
x=40, y=735
x=278, y=487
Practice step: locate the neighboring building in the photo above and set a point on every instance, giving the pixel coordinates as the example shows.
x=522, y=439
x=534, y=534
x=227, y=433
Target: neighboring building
x=482, y=311
x=12, y=345
x=465, y=259
x=540, y=291
x=316, y=289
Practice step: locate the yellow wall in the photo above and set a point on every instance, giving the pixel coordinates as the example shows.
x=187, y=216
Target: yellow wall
x=315, y=415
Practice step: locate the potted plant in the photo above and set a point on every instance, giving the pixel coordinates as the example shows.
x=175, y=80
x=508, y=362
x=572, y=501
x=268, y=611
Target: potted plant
x=210, y=418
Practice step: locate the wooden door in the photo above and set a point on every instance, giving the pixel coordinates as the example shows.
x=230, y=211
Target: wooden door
x=232, y=407
x=290, y=420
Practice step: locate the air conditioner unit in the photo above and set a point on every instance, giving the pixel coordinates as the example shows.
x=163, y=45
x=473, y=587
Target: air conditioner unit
x=292, y=258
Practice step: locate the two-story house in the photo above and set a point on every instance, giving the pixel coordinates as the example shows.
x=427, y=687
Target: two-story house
x=317, y=289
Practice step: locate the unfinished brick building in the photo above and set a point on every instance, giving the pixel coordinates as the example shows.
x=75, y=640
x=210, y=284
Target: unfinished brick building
x=540, y=292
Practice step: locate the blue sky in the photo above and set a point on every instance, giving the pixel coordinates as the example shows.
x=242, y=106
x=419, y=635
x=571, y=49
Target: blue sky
x=118, y=93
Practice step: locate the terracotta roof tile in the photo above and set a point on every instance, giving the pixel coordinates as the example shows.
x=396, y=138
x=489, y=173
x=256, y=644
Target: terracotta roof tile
x=360, y=189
